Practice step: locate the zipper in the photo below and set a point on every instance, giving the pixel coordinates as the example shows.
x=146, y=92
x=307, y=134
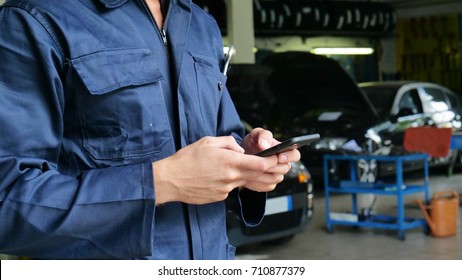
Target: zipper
x=172, y=83
x=163, y=34
x=162, y=31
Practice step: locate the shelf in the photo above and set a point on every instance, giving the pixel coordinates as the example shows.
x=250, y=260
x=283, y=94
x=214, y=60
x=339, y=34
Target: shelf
x=353, y=186
x=388, y=190
x=382, y=222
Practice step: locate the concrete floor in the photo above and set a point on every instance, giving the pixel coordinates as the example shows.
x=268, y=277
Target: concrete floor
x=349, y=243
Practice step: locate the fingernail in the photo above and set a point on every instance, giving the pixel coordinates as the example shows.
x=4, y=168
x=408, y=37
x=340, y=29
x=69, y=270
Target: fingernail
x=264, y=143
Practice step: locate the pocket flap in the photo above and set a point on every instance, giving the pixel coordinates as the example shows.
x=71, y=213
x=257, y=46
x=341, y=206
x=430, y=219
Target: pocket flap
x=106, y=71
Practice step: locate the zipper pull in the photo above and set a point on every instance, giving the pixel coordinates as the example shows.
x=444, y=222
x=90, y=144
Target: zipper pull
x=164, y=36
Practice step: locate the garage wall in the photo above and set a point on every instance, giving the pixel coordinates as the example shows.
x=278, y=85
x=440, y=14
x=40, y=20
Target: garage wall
x=428, y=49
x=423, y=9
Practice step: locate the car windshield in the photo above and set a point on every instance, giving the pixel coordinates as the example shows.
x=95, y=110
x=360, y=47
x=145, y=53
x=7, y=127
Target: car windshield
x=305, y=89
x=303, y=82
x=381, y=98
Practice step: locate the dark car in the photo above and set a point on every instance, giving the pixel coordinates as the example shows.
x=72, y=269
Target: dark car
x=289, y=208
x=303, y=93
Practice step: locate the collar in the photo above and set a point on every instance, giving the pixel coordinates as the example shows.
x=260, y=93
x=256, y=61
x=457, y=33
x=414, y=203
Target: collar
x=117, y=3
x=112, y=3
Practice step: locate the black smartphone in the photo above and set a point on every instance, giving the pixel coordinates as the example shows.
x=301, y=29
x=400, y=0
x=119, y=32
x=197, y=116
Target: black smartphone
x=289, y=144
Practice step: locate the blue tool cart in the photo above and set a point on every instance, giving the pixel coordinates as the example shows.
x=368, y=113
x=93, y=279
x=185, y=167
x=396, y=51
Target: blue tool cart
x=456, y=145
x=352, y=185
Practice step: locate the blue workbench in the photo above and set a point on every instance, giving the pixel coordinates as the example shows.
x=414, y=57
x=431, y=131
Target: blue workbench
x=353, y=186
x=456, y=145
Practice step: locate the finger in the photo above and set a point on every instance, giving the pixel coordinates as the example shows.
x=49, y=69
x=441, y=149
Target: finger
x=281, y=168
x=289, y=156
x=261, y=187
x=250, y=164
x=223, y=142
x=262, y=138
x=269, y=178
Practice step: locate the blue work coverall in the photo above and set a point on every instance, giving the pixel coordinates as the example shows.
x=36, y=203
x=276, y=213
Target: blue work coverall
x=91, y=93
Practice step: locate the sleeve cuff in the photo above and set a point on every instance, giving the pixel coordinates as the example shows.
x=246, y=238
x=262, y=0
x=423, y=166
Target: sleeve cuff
x=249, y=205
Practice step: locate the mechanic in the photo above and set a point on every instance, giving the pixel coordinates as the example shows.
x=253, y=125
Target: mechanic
x=119, y=137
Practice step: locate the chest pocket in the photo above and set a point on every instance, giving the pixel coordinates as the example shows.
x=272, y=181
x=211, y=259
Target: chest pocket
x=121, y=106
x=210, y=86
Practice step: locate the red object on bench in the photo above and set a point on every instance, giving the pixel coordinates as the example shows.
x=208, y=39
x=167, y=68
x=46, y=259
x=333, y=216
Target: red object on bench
x=433, y=141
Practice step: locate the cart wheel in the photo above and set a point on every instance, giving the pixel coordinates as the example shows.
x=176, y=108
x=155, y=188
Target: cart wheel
x=330, y=229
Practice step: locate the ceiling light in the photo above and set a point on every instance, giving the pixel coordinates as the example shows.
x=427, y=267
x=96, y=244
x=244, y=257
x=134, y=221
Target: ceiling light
x=343, y=51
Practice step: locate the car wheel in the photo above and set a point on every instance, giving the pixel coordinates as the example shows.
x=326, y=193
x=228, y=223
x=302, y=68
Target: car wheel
x=367, y=170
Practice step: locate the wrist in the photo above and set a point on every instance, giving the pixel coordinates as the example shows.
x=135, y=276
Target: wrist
x=163, y=189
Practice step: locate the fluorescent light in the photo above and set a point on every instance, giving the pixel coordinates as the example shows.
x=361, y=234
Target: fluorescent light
x=343, y=51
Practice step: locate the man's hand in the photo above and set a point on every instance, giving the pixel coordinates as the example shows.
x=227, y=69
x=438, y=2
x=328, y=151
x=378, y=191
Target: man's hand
x=209, y=169
x=258, y=140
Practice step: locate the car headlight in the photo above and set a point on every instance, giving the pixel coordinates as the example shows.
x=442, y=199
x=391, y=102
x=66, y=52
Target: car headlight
x=330, y=143
x=298, y=170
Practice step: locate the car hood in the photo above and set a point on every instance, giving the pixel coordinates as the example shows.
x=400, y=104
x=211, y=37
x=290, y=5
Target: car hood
x=315, y=94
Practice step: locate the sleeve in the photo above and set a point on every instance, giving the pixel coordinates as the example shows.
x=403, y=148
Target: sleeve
x=247, y=204
x=102, y=213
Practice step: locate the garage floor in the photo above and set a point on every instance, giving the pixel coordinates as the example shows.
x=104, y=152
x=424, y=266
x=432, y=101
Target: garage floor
x=349, y=243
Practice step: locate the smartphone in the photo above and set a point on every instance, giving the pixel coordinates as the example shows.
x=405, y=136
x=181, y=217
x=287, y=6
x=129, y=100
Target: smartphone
x=289, y=144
